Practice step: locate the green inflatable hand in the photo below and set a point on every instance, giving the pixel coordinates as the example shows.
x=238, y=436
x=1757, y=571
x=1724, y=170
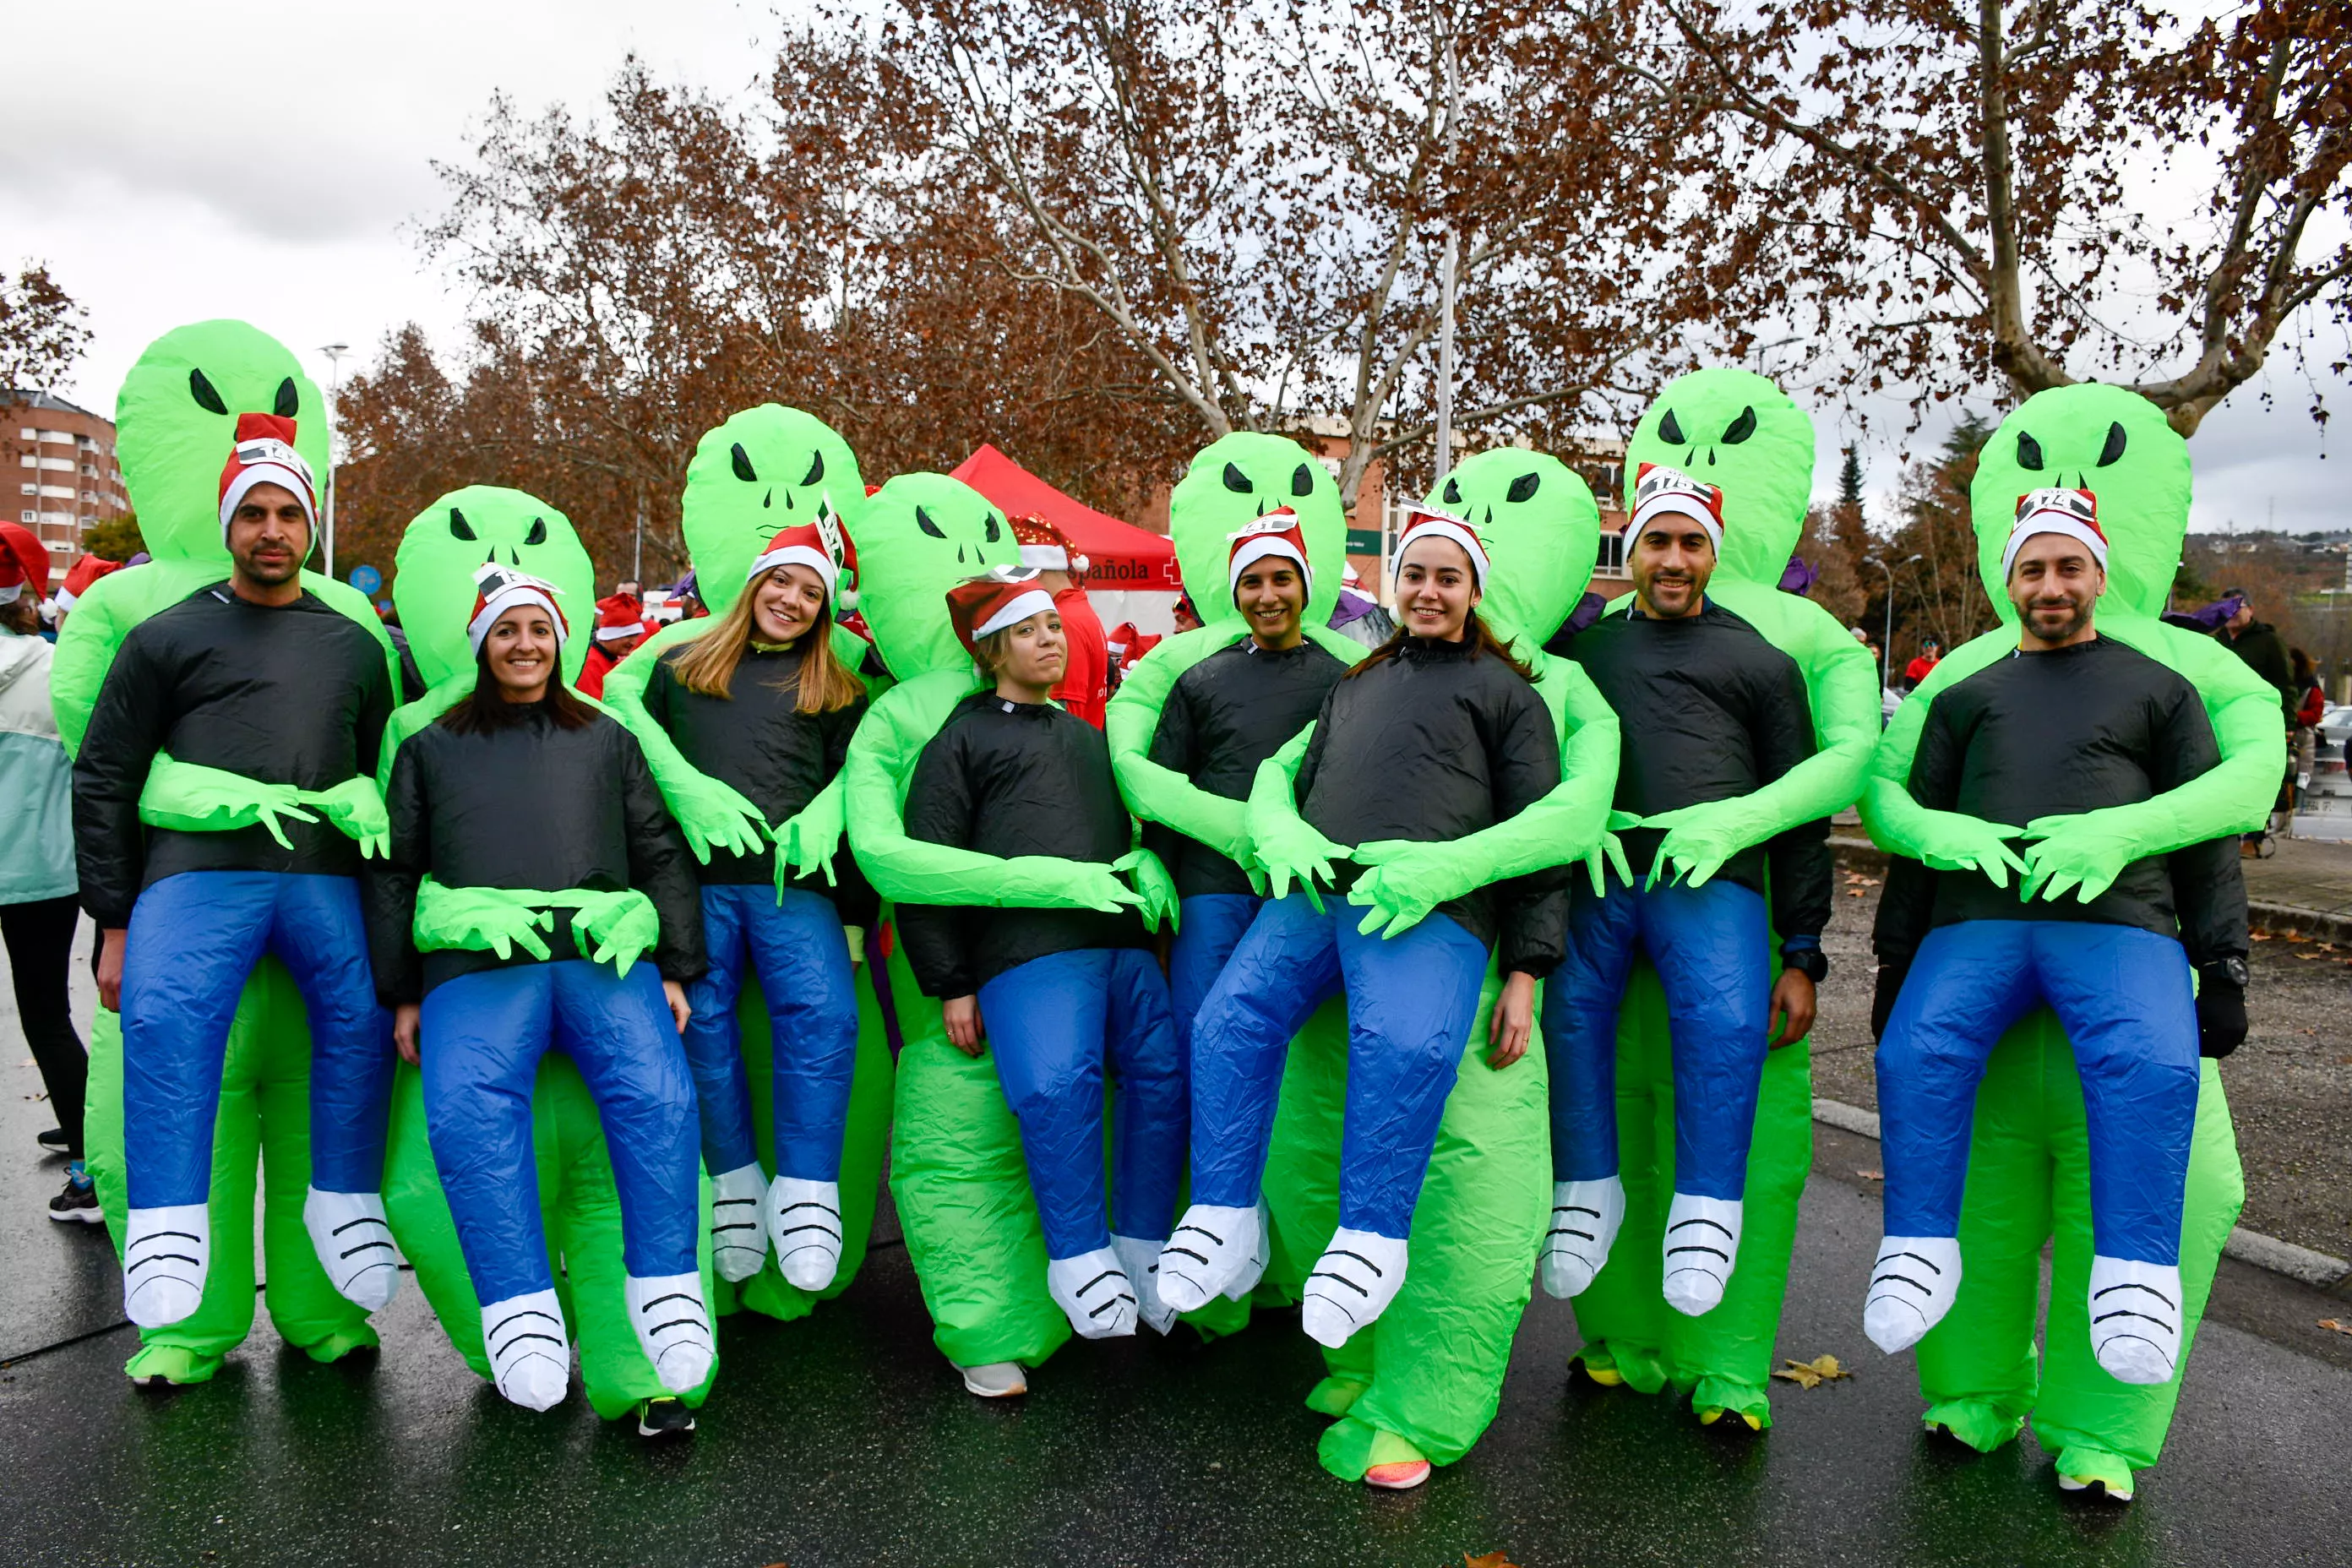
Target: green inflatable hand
x=1155, y=889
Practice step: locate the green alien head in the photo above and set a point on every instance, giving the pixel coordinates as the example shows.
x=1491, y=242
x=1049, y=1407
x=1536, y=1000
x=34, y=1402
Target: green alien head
x=760, y=473
x=1236, y=480
x=1541, y=528
x=1734, y=429
x=456, y=537
x=2109, y=441
x=176, y=420
x=917, y=537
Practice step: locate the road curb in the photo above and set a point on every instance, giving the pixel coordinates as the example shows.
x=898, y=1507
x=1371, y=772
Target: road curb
x=2316, y=1270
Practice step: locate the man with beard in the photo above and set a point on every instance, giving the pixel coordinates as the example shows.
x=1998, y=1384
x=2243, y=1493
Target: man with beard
x=2070, y=724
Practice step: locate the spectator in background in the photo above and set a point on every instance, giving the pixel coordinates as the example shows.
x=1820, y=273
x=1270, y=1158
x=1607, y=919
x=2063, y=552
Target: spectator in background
x=1931, y=654
x=620, y=627
x=86, y=570
x=2258, y=643
x=39, y=903
x=2311, y=708
x=1187, y=618
x=1085, y=680
x=1357, y=616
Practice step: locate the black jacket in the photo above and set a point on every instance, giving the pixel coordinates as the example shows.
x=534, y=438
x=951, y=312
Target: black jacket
x=295, y=695
x=529, y=806
x=758, y=741
x=2265, y=655
x=1010, y=779
x=1432, y=746
x=1710, y=711
x=1224, y=716
x=2055, y=734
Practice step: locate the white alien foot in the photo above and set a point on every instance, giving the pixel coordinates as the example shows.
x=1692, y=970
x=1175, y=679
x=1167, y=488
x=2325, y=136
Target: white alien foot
x=673, y=1328
x=1140, y=1260
x=1213, y=1251
x=1585, y=1217
x=1911, y=1286
x=1353, y=1283
x=739, y=1236
x=354, y=1241
x=805, y=1228
x=2135, y=1319
x=166, y=1253
x=1095, y=1293
x=530, y=1354
x=1702, y=1248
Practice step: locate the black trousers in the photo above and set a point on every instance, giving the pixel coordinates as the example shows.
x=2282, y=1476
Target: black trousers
x=39, y=936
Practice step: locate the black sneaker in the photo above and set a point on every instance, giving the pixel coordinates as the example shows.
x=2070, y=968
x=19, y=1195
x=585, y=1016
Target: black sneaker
x=54, y=1140
x=76, y=1205
x=664, y=1417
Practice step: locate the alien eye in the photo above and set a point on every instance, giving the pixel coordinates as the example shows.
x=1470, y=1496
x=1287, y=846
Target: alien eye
x=1670, y=429
x=202, y=391
x=996, y=529
x=288, y=402
x=458, y=527
x=816, y=471
x=1235, y=480
x=1741, y=428
x=1452, y=496
x=923, y=520
x=2114, y=447
x=538, y=534
x=2029, y=452
x=1524, y=488
x=1302, y=482
x=743, y=468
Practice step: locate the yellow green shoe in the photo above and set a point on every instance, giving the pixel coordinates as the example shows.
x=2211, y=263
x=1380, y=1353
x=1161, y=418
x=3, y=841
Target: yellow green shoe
x=2082, y=1470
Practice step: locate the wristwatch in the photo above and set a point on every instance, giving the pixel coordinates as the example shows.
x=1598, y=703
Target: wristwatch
x=1810, y=961
x=2232, y=969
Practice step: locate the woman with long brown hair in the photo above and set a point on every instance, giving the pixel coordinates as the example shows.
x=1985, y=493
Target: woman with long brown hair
x=760, y=704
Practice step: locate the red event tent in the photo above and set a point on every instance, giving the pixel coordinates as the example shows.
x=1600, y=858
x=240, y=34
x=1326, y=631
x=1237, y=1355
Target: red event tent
x=1120, y=556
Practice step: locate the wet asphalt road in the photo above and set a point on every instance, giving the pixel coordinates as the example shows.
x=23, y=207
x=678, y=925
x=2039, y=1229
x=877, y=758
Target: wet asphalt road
x=845, y=1439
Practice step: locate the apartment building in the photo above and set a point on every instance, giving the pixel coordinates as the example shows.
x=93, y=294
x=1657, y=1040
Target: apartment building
x=63, y=458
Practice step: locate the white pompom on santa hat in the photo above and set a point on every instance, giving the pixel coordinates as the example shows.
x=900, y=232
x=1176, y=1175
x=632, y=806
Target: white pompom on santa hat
x=264, y=455
x=982, y=606
x=822, y=546
x=1660, y=492
x=498, y=589
x=2075, y=513
x=1277, y=533
x=1421, y=524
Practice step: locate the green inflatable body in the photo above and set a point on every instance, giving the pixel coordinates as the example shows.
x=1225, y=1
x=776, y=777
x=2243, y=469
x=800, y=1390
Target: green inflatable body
x=1736, y=430
x=766, y=470
x=2028, y=1172
x=1424, y=1381
x=440, y=551
x=175, y=421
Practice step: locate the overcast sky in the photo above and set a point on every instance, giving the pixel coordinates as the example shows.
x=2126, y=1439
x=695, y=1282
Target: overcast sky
x=205, y=162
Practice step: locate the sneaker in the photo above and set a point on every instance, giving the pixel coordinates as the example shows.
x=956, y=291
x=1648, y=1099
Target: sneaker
x=77, y=1205
x=995, y=1380
x=54, y=1139
x=664, y=1418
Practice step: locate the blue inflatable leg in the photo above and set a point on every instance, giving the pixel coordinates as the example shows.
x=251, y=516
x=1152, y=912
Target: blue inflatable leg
x=1413, y=1000
x=1580, y=1029
x=1151, y=1110
x=320, y=934
x=713, y=1044
x=1711, y=949
x=805, y=974
x=482, y=1035
x=618, y=1029
x=194, y=939
x=1286, y=966
x=1045, y=1021
x=1212, y=925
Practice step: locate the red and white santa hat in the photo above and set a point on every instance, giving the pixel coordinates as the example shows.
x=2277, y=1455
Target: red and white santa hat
x=1660, y=492
x=1276, y=533
x=1046, y=547
x=824, y=547
x=24, y=564
x=1007, y=595
x=498, y=589
x=620, y=616
x=2075, y=513
x=1420, y=524
x=264, y=455
x=87, y=569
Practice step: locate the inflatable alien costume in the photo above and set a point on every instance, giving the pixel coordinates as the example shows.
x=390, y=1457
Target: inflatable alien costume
x=2029, y=1160
x=177, y=418
x=1424, y=1380
x=765, y=469
x=570, y=1169
x=1738, y=432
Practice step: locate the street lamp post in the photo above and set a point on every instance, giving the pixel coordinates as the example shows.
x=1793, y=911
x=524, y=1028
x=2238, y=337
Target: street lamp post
x=1886, y=650
x=334, y=353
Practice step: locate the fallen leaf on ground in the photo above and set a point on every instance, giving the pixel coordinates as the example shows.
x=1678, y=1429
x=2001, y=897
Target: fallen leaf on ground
x=1812, y=1374
x=1870, y=1176
x=2259, y=935
x=2338, y=1324
x=2296, y=936
x=2306, y=957
x=1488, y=1560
